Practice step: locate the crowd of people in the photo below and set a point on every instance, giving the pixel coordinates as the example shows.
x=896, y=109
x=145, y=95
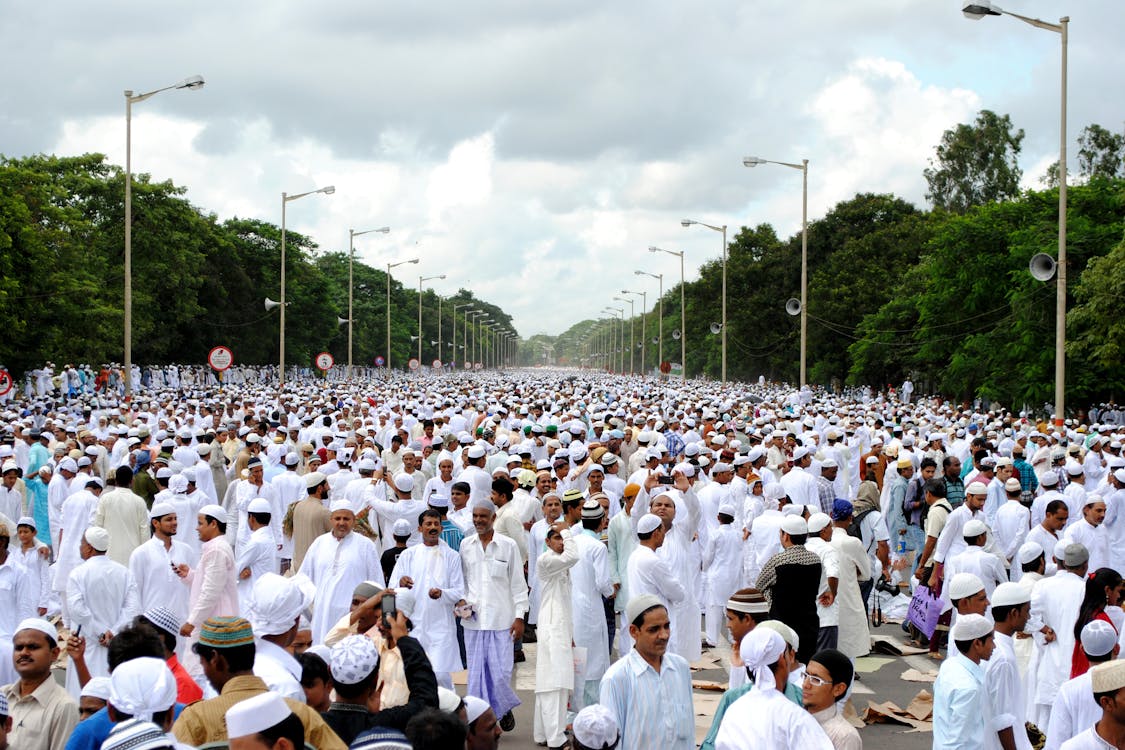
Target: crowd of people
x=268, y=569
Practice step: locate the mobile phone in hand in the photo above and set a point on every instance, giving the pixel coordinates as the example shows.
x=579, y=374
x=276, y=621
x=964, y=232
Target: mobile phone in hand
x=390, y=609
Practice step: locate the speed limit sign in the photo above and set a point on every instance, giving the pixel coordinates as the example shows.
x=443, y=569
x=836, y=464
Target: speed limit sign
x=413, y=364
x=436, y=364
x=5, y=382
x=324, y=361
x=478, y=366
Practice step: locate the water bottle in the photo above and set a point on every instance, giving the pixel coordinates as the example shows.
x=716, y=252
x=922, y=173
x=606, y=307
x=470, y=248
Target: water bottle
x=901, y=545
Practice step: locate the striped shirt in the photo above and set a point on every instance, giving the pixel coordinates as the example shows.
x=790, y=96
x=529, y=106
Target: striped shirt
x=652, y=710
x=451, y=534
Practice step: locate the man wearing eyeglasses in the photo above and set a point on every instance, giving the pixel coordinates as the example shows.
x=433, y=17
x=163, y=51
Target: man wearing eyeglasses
x=827, y=679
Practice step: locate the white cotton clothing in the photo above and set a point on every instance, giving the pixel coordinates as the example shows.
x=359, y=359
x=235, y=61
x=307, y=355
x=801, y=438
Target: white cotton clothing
x=722, y=564
x=158, y=585
x=1013, y=522
x=213, y=591
x=975, y=560
x=767, y=720
x=1047, y=541
x=437, y=567
x=16, y=601
x=101, y=597
x=1074, y=708
x=1094, y=538
x=278, y=669
x=124, y=515
x=589, y=582
x=1087, y=740
x=258, y=555
x=389, y=511
x=554, y=664
x=830, y=563
x=1055, y=602
x=1004, y=692
x=854, y=636
x=247, y=492
x=187, y=511
x=494, y=583
x=38, y=571
x=622, y=541
x=78, y=515
x=337, y=566
x=801, y=487
x=11, y=502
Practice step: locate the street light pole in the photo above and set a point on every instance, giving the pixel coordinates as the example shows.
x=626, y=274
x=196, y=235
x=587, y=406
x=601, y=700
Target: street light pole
x=632, y=343
x=723, y=323
x=644, y=313
x=389, y=267
x=976, y=11
x=285, y=199
x=420, y=280
x=455, y=309
x=683, y=309
x=753, y=161
x=352, y=234
x=191, y=84
x=660, y=321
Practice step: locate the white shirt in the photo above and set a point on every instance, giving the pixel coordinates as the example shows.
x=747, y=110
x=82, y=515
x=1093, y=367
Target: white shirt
x=1005, y=693
x=767, y=720
x=1094, y=538
x=278, y=669
x=494, y=583
x=157, y=584
x=1088, y=740
x=649, y=574
x=1012, y=522
x=1055, y=602
x=960, y=710
x=437, y=567
x=1073, y=709
x=830, y=562
x=337, y=567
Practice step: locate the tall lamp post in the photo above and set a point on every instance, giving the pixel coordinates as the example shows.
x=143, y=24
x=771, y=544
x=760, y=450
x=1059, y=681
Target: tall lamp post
x=683, y=309
x=352, y=234
x=478, y=336
x=753, y=161
x=470, y=319
x=455, y=309
x=191, y=84
x=632, y=345
x=389, y=267
x=660, y=320
x=644, y=312
x=285, y=199
x=619, y=318
x=420, y=280
x=723, y=323
x=976, y=11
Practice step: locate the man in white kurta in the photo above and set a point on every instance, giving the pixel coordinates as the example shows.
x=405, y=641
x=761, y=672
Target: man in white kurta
x=1055, y=602
x=722, y=570
x=16, y=603
x=554, y=662
x=186, y=500
x=102, y=599
x=648, y=573
x=1004, y=689
x=432, y=570
x=258, y=555
x=589, y=582
x=212, y=581
x=676, y=553
x=123, y=514
x=78, y=515
x=1090, y=532
x=337, y=562
x=1074, y=708
x=154, y=564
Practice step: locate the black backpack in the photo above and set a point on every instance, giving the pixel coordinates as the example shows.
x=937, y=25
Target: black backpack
x=857, y=521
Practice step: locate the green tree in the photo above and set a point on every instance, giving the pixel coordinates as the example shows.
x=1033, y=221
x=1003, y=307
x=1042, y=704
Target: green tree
x=975, y=164
x=1101, y=153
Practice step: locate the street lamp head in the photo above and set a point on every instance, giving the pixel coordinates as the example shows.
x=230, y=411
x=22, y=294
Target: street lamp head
x=975, y=10
x=442, y=277
x=327, y=190
x=192, y=83
x=687, y=222
x=640, y=273
x=752, y=161
x=654, y=249
x=413, y=260
x=383, y=230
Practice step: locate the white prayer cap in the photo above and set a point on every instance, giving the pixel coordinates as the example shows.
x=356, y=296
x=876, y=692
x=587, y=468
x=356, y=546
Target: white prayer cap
x=1108, y=677
x=638, y=605
x=755, y=453
x=163, y=618
x=1074, y=469
x=161, y=508
x=405, y=601
x=27, y=521
x=136, y=734
x=140, y=687
x=292, y=459
x=788, y=634
x=793, y=510
x=9, y=466
x=761, y=648
x=313, y=478
x=340, y=504
x=259, y=505
x=974, y=528
x=719, y=467
x=1059, y=552
x=648, y=523
x=253, y=715
x=818, y=522
x=727, y=509
x=401, y=527
x=474, y=708
x=829, y=463
x=1010, y=594
x=963, y=585
x=476, y=451
x=275, y=604
x=178, y=484
x=1119, y=475
x=448, y=701
x=68, y=464
x=97, y=687
x=794, y=525
x=1098, y=638
x=1013, y=485
x=353, y=659
x=214, y=511
x=189, y=474
x=162, y=473
x=774, y=491
x=438, y=500
x=976, y=488
x=98, y=538
x=404, y=482
x=38, y=623
x=594, y=726
x=971, y=627
x=1050, y=479
x=800, y=453
x=1029, y=551
x=203, y=449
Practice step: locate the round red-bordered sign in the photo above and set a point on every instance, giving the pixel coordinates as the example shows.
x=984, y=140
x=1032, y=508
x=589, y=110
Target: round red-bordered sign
x=413, y=364
x=436, y=364
x=478, y=366
x=379, y=361
x=324, y=361
x=220, y=358
x=5, y=382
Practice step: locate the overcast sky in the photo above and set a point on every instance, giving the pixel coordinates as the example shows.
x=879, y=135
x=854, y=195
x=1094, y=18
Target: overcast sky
x=533, y=151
